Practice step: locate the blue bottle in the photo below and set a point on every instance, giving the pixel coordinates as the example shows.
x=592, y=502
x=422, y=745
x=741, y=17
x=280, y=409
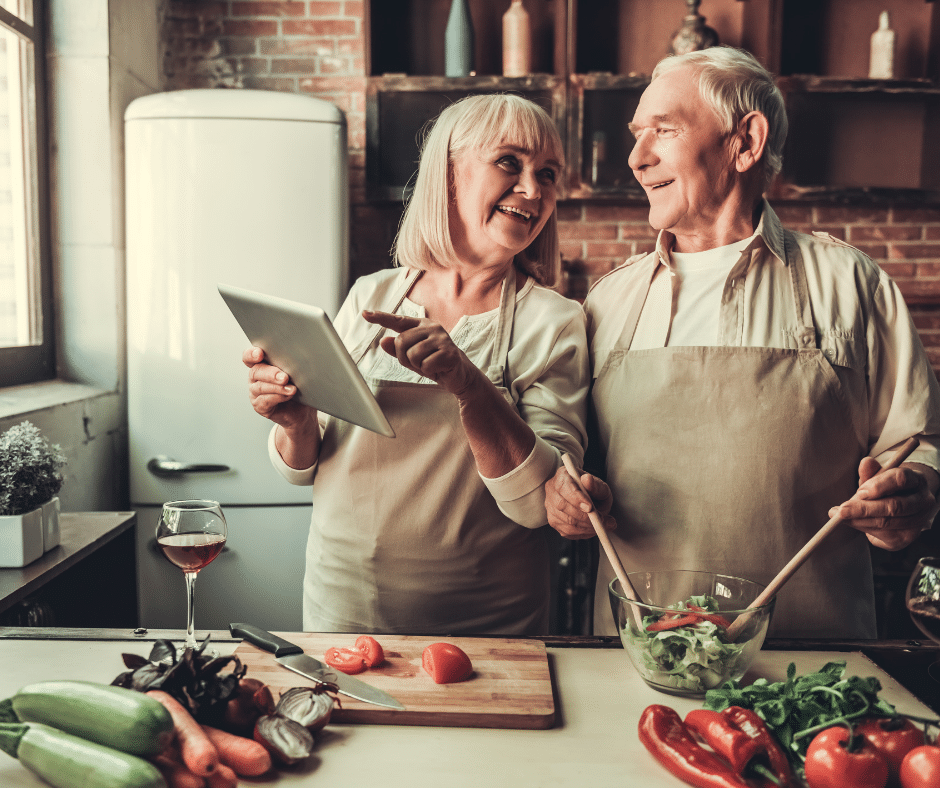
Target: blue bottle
x=458, y=41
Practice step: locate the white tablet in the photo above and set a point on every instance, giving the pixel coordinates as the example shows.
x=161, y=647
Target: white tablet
x=300, y=339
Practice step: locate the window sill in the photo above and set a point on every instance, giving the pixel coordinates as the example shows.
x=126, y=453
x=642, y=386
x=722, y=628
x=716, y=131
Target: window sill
x=33, y=397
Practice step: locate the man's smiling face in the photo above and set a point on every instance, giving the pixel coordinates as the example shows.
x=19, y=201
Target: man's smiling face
x=681, y=156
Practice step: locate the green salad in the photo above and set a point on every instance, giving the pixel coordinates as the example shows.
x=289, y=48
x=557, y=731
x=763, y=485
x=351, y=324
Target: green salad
x=687, y=650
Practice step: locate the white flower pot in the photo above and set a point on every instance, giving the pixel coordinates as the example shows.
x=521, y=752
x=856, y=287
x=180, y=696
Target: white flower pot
x=51, y=535
x=20, y=538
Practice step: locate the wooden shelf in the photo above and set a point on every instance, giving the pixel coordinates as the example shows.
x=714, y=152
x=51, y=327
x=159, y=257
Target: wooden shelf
x=851, y=139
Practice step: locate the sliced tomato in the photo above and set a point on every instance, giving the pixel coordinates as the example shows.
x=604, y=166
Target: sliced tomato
x=371, y=650
x=345, y=660
x=446, y=663
x=717, y=620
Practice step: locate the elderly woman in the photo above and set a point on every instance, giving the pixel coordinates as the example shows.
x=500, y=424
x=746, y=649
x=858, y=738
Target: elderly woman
x=481, y=371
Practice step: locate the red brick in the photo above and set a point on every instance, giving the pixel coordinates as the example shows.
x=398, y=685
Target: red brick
x=617, y=251
x=926, y=322
x=933, y=356
x=335, y=65
x=240, y=46
x=319, y=27
x=917, y=289
x=254, y=27
x=570, y=212
x=597, y=268
x=353, y=8
x=354, y=45
x=932, y=233
x=793, y=214
x=293, y=65
x=928, y=270
x=283, y=84
x=297, y=46
x=318, y=9
x=636, y=231
x=333, y=84
x=874, y=251
x=895, y=270
x=916, y=215
x=914, y=251
x=570, y=231
x=809, y=229
x=570, y=250
x=255, y=66
x=644, y=248
x=849, y=214
x=885, y=232
x=616, y=213
x=279, y=8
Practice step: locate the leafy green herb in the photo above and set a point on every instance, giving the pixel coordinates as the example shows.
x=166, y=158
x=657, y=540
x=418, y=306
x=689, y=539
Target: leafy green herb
x=797, y=707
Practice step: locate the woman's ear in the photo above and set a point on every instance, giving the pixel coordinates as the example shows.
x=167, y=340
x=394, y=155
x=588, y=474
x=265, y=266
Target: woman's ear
x=752, y=133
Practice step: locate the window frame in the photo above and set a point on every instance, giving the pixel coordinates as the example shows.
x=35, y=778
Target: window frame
x=34, y=363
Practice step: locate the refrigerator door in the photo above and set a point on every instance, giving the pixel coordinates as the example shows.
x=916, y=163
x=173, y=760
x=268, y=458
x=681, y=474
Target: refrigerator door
x=236, y=186
x=257, y=577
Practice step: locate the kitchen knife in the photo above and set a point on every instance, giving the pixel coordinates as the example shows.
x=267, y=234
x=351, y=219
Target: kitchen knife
x=293, y=658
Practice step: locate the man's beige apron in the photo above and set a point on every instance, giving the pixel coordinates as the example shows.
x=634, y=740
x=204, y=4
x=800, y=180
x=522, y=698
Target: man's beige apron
x=727, y=459
x=405, y=536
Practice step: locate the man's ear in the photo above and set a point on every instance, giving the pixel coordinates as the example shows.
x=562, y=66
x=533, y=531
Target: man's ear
x=751, y=137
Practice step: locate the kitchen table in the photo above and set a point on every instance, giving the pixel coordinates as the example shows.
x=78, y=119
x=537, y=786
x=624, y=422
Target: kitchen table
x=598, y=700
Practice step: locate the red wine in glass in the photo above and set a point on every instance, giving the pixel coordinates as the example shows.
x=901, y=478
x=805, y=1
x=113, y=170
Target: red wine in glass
x=191, y=534
x=191, y=552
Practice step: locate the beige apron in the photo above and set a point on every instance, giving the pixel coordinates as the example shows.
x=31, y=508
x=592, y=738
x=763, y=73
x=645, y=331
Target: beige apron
x=405, y=536
x=727, y=459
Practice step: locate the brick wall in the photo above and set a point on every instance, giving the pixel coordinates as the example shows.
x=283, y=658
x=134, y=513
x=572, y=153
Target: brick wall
x=316, y=48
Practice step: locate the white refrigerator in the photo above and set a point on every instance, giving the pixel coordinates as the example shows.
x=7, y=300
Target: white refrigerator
x=249, y=188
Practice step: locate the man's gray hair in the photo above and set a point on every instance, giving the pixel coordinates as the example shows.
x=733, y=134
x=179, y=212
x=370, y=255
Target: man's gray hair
x=733, y=83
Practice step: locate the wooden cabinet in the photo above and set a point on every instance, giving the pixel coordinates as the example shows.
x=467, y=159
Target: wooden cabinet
x=850, y=137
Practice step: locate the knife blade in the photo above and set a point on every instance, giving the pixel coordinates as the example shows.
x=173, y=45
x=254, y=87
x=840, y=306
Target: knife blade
x=292, y=657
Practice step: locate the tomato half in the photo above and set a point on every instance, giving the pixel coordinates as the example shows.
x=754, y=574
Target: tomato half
x=446, y=663
x=829, y=764
x=345, y=660
x=372, y=652
x=921, y=767
x=893, y=737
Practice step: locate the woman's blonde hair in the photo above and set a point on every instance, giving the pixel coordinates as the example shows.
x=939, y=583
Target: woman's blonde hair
x=475, y=123
x=733, y=83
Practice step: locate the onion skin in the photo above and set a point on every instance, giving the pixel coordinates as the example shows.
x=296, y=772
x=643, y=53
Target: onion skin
x=307, y=706
x=288, y=741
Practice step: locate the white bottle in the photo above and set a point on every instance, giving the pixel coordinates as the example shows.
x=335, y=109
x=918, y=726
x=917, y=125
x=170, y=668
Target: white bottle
x=517, y=41
x=882, y=50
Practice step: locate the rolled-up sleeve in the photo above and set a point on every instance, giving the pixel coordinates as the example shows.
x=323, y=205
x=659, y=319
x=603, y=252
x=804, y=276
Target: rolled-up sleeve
x=549, y=370
x=904, y=396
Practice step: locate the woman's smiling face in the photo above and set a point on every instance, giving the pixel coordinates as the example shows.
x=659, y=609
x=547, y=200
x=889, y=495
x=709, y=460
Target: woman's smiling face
x=502, y=197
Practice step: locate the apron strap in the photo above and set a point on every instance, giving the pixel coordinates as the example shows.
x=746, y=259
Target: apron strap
x=636, y=309
x=499, y=360
x=390, y=304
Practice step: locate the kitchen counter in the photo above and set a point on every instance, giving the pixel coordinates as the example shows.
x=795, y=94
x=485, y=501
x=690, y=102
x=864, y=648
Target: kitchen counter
x=598, y=698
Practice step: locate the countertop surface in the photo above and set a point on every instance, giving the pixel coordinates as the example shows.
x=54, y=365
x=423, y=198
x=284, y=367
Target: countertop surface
x=598, y=697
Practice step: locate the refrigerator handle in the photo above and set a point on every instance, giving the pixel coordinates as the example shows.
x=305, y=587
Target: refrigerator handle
x=164, y=466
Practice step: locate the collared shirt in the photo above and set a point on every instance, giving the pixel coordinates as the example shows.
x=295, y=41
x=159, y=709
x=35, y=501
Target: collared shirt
x=862, y=326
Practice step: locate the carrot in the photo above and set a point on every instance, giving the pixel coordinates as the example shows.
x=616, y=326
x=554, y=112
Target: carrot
x=245, y=756
x=199, y=754
x=177, y=775
x=222, y=777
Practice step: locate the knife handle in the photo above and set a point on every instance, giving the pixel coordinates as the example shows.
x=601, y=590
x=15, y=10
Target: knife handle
x=264, y=639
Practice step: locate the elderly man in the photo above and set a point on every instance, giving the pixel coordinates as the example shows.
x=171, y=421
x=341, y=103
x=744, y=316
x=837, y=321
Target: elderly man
x=747, y=378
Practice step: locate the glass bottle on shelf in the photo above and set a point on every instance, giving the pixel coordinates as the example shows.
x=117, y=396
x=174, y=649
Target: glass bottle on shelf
x=458, y=41
x=517, y=41
x=694, y=33
x=881, y=65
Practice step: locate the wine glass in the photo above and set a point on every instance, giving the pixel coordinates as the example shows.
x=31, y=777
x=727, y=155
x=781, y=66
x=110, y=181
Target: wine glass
x=191, y=534
x=923, y=602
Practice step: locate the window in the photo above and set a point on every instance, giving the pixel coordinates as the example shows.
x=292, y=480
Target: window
x=26, y=347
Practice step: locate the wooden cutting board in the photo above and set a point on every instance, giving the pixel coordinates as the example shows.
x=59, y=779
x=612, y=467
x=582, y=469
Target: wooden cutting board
x=510, y=686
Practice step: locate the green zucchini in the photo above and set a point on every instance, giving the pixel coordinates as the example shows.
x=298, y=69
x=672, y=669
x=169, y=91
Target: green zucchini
x=67, y=761
x=116, y=717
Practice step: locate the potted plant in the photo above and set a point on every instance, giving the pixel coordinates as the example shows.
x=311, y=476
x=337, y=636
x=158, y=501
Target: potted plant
x=30, y=479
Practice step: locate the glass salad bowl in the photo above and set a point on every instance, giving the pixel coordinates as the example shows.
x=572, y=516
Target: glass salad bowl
x=675, y=635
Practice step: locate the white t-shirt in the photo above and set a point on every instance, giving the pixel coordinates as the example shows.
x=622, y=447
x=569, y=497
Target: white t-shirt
x=702, y=277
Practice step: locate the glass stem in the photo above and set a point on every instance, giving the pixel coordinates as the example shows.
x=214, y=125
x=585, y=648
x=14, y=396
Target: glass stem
x=190, y=611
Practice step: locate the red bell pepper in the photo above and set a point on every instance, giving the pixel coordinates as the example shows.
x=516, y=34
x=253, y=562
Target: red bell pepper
x=671, y=743
x=753, y=726
x=673, y=623
x=734, y=745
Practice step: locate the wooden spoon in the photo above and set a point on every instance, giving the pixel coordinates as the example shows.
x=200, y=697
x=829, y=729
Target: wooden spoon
x=628, y=590
x=797, y=561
